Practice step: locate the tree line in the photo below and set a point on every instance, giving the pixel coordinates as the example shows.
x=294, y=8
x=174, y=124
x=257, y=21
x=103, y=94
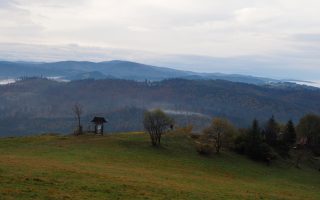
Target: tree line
x=260, y=142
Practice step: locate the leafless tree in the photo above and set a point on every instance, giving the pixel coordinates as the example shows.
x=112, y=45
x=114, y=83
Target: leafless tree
x=220, y=133
x=77, y=110
x=156, y=123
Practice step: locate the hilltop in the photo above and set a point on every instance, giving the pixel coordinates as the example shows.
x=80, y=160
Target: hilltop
x=125, y=166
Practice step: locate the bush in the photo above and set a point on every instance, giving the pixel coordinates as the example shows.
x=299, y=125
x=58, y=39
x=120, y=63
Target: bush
x=182, y=131
x=266, y=153
x=309, y=128
x=204, y=148
x=240, y=144
x=260, y=152
x=195, y=136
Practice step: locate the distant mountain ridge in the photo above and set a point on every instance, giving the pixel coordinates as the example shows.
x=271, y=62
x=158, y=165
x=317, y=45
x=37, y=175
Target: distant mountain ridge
x=73, y=70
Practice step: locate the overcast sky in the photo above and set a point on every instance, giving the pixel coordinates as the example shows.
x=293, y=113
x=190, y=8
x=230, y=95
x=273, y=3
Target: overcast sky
x=273, y=36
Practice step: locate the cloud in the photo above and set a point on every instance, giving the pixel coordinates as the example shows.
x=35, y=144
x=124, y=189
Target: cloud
x=289, y=66
x=16, y=23
x=256, y=16
x=213, y=28
x=310, y=37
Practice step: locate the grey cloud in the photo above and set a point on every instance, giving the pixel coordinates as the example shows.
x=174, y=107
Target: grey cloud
x=231, y=29
x=308, y=37
x=287, y=66
x=6, y=3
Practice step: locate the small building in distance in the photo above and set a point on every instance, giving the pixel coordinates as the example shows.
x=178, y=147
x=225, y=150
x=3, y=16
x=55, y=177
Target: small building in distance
x=98, y=124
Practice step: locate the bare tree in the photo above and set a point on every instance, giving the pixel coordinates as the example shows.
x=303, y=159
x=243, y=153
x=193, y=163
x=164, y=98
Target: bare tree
x=156, y=123
x=221, y=133
x=77, y=110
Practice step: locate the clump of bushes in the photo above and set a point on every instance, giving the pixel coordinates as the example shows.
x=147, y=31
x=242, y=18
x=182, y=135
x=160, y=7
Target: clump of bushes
x=262, y=144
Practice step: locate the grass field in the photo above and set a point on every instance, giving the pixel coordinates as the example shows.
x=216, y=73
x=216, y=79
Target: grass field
x=125, y=166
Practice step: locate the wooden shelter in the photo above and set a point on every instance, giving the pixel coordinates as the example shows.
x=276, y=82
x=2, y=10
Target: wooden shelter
x=98, y=124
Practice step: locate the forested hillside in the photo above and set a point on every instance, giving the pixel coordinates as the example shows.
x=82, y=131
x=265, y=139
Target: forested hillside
x=40, y=105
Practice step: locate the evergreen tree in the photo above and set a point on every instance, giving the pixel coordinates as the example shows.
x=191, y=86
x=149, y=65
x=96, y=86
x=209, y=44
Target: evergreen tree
x=254, y=140
x=255, y=147
x=287, y=140
x=255, y=130
x=271, y=132
x=289, y=135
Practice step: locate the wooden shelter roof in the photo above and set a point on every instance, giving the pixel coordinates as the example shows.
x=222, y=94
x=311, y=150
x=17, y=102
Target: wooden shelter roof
x=99, y=120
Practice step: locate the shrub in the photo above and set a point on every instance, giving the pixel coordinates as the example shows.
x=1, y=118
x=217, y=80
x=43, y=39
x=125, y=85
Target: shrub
x=182, y=131
x=204, y=147
x=240, y=144
x=309, y=128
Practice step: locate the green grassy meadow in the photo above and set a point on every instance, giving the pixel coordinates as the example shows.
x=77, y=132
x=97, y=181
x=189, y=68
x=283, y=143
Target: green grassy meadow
x=125, y=166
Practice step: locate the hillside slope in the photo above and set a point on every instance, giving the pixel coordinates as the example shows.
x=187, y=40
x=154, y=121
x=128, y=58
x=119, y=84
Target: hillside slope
x=125, y=166
x=40, y=105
